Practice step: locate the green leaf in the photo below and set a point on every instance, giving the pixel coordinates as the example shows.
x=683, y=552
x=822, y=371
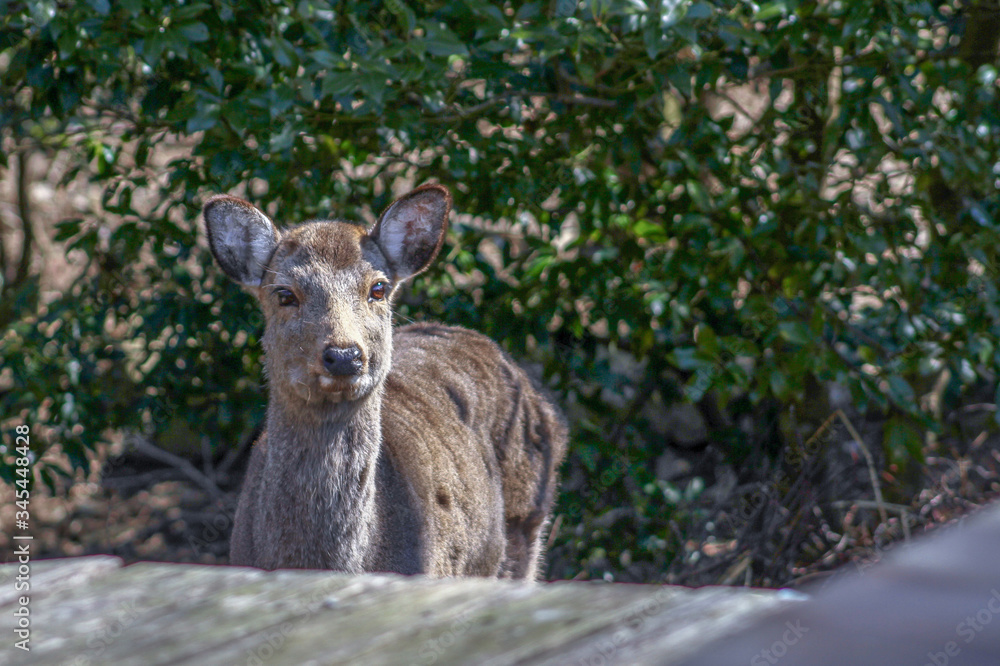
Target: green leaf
x=903, y=442
x=195, y=32
x=527, y=11
x=536, y=267
x=698, y=195
x=771, y=10
x=216, y=79
x=686, y=358
x=326, y=59
x=102, y=7
x=778, y=383
x=440, y=41
x=206, y=117
x=795, y=332
x=900, y=391
x=186, y=12
x=706, y=340
x=650, y=231
x=699, y=10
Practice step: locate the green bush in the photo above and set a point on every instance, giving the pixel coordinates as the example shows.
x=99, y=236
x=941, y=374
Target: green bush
x=746, y=200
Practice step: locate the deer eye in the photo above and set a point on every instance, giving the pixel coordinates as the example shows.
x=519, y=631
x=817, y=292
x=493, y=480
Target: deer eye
x=285, y=297
x=378, y=290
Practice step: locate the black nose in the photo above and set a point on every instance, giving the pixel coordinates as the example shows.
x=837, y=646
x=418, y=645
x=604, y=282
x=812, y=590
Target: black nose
x=342, y=361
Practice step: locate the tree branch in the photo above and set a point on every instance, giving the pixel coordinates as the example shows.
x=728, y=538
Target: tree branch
x=3, y=258
x=982, y=34
x=24, y=211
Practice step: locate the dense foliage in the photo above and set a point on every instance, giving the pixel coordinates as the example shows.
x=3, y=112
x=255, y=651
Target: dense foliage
x=731, y=204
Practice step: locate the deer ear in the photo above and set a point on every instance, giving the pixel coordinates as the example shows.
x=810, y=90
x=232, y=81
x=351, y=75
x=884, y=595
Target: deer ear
x=242, y=238
x=411, y=231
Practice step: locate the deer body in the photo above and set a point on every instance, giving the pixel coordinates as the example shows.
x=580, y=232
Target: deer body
x=428, y=451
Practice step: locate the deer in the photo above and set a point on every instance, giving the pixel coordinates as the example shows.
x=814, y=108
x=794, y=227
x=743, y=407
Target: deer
x=424, y=449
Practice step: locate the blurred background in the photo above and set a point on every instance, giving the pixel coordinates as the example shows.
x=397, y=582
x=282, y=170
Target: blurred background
x=751, y=248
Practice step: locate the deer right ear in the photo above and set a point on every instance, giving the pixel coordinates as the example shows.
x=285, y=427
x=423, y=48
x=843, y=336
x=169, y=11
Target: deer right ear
x=241, y=237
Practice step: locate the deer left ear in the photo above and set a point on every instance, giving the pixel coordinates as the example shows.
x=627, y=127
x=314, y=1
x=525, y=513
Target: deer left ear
x=411, y=231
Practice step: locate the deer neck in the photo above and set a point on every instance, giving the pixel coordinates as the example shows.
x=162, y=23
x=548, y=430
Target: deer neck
x=322, y=470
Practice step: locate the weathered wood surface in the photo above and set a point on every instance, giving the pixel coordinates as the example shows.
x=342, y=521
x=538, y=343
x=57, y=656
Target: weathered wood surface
x=937, y=602
x=93, y=611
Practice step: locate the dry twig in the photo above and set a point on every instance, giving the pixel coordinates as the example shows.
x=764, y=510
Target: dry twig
x=178, y=463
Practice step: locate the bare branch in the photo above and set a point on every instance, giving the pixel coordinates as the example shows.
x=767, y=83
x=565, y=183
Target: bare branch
x=178, y=463
x=24, y=211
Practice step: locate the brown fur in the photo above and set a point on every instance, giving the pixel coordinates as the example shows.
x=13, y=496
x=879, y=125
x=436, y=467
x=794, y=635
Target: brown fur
x=438, y=457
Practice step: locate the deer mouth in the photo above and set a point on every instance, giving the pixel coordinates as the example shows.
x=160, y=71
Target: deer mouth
x=314, y=385
x=340, y=389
